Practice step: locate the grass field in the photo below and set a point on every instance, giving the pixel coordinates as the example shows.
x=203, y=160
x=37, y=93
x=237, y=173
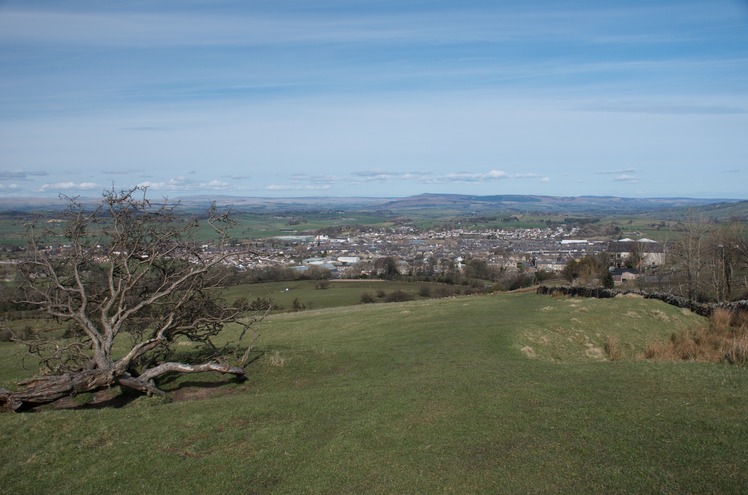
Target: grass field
x=483, y=394
x=334, y=294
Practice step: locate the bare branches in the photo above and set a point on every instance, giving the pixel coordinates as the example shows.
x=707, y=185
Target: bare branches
x=129, y=265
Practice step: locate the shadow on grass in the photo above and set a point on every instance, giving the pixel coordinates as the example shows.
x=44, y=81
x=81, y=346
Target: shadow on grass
x=118, y=397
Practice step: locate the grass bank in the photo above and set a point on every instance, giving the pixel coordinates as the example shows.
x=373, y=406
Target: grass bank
x=431, y=396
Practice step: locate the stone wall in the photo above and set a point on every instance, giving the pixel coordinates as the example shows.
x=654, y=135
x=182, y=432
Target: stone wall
x=703, y=309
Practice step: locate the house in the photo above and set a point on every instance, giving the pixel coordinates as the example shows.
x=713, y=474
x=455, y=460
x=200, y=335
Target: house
x=623, y=275
x=645, y=252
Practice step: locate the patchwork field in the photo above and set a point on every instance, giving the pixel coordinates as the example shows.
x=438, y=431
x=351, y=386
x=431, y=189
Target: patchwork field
x=509, y=393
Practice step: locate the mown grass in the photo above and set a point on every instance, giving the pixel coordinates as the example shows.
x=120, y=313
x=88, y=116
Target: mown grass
x=432, y=396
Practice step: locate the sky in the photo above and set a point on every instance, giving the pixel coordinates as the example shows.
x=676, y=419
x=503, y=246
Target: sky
x=374, y=98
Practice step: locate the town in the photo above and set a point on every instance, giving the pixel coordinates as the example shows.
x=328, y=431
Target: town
x=406, y=251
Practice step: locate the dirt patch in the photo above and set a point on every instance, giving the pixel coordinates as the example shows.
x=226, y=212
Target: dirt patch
x=111, y=397
x=117, y=397
x=528, y=351
x=631, y=296
x=594, y=352
x=660, y=315
x=203, y=391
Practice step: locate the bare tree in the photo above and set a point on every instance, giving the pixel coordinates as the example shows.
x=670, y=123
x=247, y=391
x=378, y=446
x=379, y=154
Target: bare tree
x=130, y=279
x=729, y=250
x=689, y=255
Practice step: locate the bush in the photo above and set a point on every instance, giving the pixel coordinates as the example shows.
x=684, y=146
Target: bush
x=367, y=298
x=721, y=319
x=612, y=349
x=399, y=296
x=443, y=291
x=299, y=306
x=8, y=335
x=262, y=304
x=72, y=330
x=724, y=340
x=424, y=291
x=735, y=350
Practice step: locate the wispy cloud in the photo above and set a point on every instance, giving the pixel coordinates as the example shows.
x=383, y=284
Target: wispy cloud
x=373, y=97
x=664, y=108
x=67, y=186
x=20, y=174
x=245, y=27
x=315, y=179
x=297, y=187
x=388, y=176
x=452, y=177
x=247, y=24
x=623, y=175
x=122, y=171
x=490, y=176
x=184, y=184
x=621, y=172
x=626, y=178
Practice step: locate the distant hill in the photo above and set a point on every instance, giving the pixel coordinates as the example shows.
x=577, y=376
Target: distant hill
x=452, y=203
x=724, y=211
x=553, y=204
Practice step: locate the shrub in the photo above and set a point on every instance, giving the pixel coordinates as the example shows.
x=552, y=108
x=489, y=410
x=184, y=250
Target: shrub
x=262, y=304
x=725, y=340
x=612, y=349
x=72, y=331
x=367, y=298
x=721, y=319
x=6, y=335
x=399, y=296
x=735, y=351
x=299, y=306
x=443, y=291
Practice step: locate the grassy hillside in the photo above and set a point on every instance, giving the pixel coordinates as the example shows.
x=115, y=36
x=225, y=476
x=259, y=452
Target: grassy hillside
x=489, y=394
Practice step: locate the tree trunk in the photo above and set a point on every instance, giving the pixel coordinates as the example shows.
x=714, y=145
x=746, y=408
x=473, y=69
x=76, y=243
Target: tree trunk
x=43, y=390
x=47, y=389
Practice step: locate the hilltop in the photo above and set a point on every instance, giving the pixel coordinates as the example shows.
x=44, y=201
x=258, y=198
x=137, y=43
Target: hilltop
x=448, y=203
x=491, y=394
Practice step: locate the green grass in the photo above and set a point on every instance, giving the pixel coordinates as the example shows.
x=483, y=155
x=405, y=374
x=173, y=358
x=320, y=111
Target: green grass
x=337, y=292
x=432, y=396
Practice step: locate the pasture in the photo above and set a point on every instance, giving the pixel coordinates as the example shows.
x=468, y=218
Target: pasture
x=501, y=393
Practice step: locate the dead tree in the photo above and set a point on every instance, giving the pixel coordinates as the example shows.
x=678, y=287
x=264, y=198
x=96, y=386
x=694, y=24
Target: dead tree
x=130, y=280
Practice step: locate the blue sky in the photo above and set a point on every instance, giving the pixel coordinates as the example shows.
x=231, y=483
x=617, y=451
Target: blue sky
x=375, y=98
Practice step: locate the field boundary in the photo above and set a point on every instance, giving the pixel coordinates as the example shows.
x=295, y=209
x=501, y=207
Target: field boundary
x=701, y=309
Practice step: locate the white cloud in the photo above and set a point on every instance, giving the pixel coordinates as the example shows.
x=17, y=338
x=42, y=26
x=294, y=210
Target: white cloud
x=217, y=184
x=66, y=186
x=316, y=179
x=387, y=176
x=626, y=178
x=621, y=172
x=287, y=187
x=490, y=176
x=20, y=174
